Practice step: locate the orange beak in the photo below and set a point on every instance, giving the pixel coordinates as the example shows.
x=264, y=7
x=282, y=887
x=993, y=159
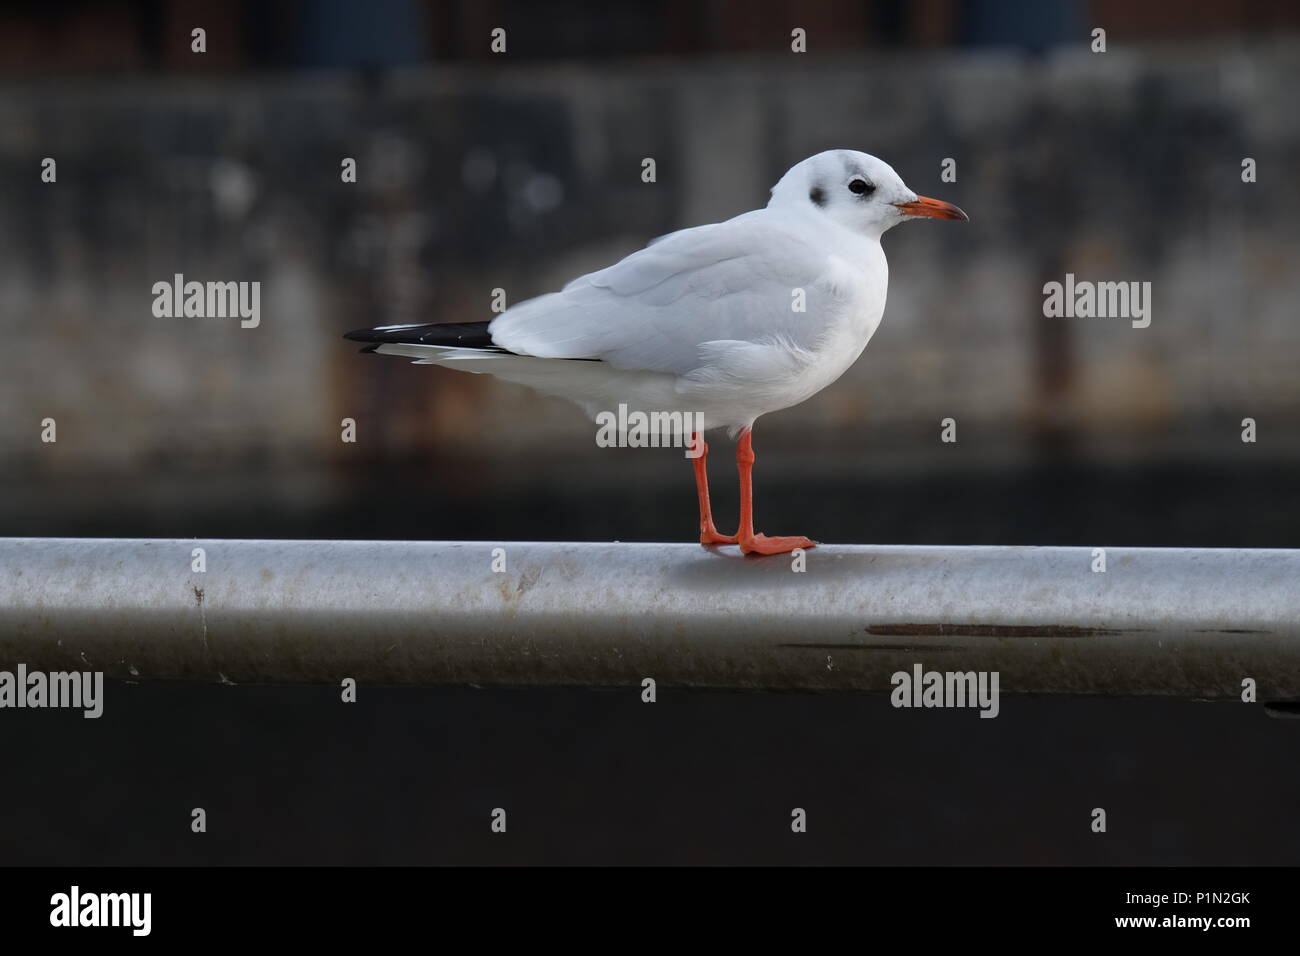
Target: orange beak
x=934, y=208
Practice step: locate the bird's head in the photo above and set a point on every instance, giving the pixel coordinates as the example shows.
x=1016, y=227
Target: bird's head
x=857, y=191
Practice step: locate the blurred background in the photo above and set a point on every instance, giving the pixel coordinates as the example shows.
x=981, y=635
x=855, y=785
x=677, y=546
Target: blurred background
x=521, y=170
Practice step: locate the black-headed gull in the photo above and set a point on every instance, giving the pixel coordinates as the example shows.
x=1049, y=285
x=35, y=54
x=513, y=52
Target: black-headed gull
x=727, y=321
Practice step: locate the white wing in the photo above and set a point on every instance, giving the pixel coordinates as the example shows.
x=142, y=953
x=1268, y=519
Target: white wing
x=660, y=307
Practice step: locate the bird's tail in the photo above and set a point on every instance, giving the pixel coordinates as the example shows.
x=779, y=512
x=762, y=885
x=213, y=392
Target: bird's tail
x=468, y=347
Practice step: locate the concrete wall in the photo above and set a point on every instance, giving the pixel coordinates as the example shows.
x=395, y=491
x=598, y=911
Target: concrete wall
x=1122, y=166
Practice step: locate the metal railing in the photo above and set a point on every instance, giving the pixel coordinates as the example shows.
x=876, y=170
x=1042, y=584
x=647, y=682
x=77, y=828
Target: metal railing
x=1156, y=621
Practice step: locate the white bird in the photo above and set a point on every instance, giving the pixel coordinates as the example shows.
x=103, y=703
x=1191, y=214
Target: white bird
x=707, y=320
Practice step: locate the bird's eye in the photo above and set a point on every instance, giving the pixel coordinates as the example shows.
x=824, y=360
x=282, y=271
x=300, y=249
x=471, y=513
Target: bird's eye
x=861, y=187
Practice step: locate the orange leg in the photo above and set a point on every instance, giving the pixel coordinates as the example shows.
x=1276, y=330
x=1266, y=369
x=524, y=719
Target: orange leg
x=751, y=543
x=708, y=533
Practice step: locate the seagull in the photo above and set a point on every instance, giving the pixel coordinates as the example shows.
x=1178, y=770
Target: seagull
x=726, y=321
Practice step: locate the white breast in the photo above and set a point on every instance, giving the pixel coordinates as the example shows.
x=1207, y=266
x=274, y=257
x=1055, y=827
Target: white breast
x=742, y=382
x=853, y=315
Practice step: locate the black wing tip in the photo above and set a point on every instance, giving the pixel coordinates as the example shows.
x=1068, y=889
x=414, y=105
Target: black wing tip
x=473, y=335
x=399, y=333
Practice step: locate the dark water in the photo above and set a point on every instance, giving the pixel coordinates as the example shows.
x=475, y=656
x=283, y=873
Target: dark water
x=1233, y=504
x=291, y=775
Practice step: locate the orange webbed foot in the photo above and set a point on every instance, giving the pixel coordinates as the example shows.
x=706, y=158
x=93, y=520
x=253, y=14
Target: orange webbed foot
x=762, y=544
x=711, y=536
